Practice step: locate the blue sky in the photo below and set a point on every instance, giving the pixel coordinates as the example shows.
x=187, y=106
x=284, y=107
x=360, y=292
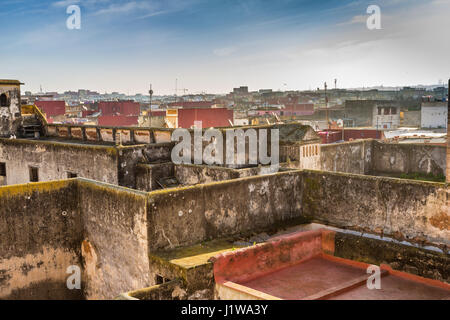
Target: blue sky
x=214, y=46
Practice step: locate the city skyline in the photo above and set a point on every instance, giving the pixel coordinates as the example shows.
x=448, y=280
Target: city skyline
x=212, y=46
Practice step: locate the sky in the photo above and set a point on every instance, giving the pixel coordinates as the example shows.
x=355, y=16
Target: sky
x=214, y=45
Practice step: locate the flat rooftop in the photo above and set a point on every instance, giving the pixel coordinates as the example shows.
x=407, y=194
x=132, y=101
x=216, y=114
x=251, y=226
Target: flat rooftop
x=308, y=265
x=321, y=278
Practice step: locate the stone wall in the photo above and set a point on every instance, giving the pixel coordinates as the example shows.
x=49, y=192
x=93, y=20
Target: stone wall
x=115, y=245
x=55, y=160
x=185, y=216
x=47, y=227
x=195, y=174
x=375, y=157
x=350, y=157
x=148, y=174
x=402, y=209
x=40, y=236
x=408, y=158
x=109, y=231
x=10, y=116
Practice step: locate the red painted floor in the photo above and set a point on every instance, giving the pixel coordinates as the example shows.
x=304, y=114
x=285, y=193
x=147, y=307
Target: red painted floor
x=395, y=288
x=319, y=275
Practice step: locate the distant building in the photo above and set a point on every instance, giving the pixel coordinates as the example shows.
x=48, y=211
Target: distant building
x=191, y=104
x=124, y=108
x=51, y=108
x=240, y=90
x=118, y=121
x=386, y=117
x=210, y=117
x=434, y=115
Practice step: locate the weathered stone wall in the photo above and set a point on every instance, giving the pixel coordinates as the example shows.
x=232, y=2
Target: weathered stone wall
x=350, y=157
x=129, y=158
x=115, y=245
x=402, y=209
x=375, y=157
x=55, y=160
x=47, y=227
x=10, y=116
x=189, y=215
x=40, y=236
x=147, y=174
x=195, y=174
x=408, y=158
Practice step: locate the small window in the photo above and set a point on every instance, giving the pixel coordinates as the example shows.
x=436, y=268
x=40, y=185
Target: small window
x=3, y=100
x=2, y=169
x=160, y=279
x=317, y=150
x=34, y=174
x=71, y=175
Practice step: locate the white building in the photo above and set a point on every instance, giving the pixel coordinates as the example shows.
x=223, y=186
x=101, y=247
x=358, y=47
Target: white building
x=434, y=115
x=386, y=117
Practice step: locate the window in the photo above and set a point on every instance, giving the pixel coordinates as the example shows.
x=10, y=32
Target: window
x=34, y=174
x=380, y=110
x=3, y=100
x=71, y=175
x=2, y=169
x=160, y=280
x=393, y=110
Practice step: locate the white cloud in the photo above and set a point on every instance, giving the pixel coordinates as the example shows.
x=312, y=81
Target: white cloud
x=355, y=20
x=127, y=7
x=223, y=52
x=65, y=3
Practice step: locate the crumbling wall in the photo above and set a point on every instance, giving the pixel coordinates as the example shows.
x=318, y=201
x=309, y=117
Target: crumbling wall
x=351, y=157
x=147, y=174
x=115, y=244
x=55, y=160
x=189, y=215
x=408, y=158
x=131, y=156
x=40, y=233
x=10, y=116
x=402, y=209
x=373, y=157
x=188, y=174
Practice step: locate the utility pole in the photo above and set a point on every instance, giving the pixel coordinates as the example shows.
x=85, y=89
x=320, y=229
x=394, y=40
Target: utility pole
x=150, y=92
x=176, y=89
